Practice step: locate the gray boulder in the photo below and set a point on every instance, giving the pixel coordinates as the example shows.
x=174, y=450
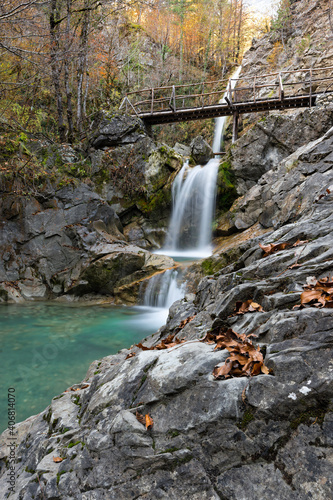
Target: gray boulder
x=200, y=150
x=115, y=130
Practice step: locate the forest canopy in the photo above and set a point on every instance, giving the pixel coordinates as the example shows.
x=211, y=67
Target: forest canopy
x=62, y=60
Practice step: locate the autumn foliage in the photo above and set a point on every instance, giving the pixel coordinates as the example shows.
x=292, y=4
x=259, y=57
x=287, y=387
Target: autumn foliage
x=245, y=359
x=317, y=293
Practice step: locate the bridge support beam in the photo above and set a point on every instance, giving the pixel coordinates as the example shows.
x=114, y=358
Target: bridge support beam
x=235, y=127
x=149, y=129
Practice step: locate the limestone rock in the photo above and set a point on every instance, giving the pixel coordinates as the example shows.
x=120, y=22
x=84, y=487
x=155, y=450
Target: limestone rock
x=115, y=129
x=201, y=151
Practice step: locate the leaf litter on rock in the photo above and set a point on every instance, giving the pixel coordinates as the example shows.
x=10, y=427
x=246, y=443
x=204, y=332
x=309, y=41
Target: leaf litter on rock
x=245, y=359
x=317, y=293
x=170, y=341
x=245, y=307
x=276, y=247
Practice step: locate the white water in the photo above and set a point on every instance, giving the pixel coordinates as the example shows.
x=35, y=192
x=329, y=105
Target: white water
x=193, y=202
x=190, y=229
x=161, y=292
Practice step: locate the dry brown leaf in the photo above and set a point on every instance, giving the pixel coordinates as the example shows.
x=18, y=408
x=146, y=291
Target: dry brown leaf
x=222, y=371
x=130, y=355
x=170, y=341
x=300, y=242
x=148, y=421
x=254, y=307
x=317, y=293
x=57, y=459
x=265, y=370
x=313, y=297
x=272, y=248
x=143, y=347
x=140, y=418
x=184, y=323
x=245, y=359
x=145, y=420
x=247, y=306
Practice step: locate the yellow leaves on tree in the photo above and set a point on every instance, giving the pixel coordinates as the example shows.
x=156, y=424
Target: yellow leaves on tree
x=245, y=359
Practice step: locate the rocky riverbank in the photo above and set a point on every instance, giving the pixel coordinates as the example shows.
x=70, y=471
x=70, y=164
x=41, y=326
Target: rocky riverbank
x=264, y=436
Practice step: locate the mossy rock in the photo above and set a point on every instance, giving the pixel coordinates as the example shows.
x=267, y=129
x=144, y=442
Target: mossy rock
x=226, y=189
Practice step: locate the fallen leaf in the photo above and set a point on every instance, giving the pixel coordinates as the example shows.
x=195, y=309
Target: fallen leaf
x=145, y=420
x=272, y=248
x=316, y=293
x=130, y=355
x=57, y=459
x=166, y=343
x=140, y=418
x=143, y=347
x=254, y=307
x=312, y=295
x=184, y=323
x=222, y=371
x=149, y=422
x=300, y=242
x=247, y=306
x=245, y=359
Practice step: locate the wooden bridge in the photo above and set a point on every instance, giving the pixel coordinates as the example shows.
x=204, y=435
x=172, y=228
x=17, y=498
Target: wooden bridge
x=197, y=101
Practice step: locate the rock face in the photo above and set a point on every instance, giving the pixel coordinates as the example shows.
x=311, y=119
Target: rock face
x=201, y=151
x=274, y=138
x=77, y=247
x=268, y=436
x=87, y=229
x=307, y=43
x=114, y=130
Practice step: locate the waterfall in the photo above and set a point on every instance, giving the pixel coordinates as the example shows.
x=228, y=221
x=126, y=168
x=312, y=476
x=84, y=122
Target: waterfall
x=190, y=229
x=193, y=202
x=163, y=289
x=194, y=193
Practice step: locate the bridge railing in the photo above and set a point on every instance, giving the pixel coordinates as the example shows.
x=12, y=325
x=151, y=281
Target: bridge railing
x=261, y=88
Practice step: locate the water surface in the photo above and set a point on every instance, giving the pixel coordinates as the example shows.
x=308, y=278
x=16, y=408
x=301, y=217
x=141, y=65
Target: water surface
x=45, y=348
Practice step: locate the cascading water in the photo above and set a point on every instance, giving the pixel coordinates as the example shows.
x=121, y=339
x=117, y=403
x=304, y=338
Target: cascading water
x=162, y=291
x=193, y=196
x=190, y=229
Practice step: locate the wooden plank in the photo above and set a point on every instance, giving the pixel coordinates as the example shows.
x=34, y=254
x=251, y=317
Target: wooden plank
x=235, y=127
x=310, y=88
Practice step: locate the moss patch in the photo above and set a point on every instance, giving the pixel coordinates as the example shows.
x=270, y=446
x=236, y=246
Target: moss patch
x=226, y=190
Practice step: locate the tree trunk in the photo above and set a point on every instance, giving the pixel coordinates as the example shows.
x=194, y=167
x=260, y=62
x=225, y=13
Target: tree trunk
x=66, y=75
x=82, y=66
x=56, y=66
x=240, y=20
